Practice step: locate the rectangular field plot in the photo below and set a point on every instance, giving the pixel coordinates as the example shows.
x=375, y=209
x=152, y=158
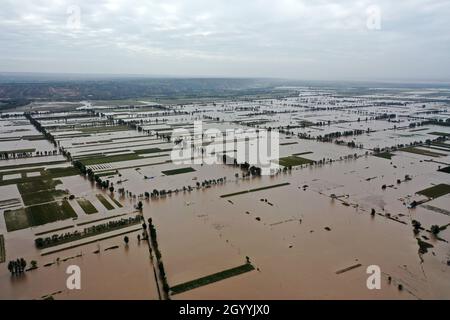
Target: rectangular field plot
x=436, y=191
x=87, y=206
x=39, y=191
x=423, y=152
x=38, y=215
x=294, y=161
x=116, y=202
x=38, y=174
x=384, y=155
x=178, y=171
x=136, y=155
x=254, y=190
x=211, y=278
x=105, y=202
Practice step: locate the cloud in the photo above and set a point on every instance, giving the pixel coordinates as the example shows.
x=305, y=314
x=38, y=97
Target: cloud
x=288, y=38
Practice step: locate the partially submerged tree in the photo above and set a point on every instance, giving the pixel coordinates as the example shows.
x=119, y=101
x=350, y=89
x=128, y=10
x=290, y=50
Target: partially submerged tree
x=416, y=224
x=435, y=229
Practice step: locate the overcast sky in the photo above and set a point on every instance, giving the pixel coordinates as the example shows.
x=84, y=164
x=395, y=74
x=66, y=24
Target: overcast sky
x=315, y=39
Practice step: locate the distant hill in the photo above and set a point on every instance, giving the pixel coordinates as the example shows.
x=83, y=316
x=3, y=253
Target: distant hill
x=19, y=89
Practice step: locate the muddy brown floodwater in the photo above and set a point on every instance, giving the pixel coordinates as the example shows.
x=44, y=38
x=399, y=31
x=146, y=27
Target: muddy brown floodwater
x=311, y=237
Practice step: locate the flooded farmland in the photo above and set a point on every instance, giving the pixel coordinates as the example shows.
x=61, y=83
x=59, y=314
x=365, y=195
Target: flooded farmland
x=360, y=180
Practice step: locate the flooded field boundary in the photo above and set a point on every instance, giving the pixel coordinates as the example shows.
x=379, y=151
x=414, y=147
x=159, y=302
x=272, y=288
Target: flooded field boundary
x=112, y=148
x=101, y=219
x=254, y=190
x=211, y=278
x=138, y=166
x=92, y=231
x=436, y=209
x=37, y=164
x=53, y=230
x=154, y=247
x=422, y=152
x=436, y=191
x=178, y=171
x=2, y=249
x=104, y=202
x=349, y=268
x=51, y=173
x=89, y=242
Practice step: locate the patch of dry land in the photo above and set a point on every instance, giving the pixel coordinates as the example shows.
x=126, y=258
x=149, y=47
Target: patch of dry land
x=361, y=181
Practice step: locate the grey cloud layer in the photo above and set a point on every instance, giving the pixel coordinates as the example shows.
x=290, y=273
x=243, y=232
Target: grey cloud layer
x=315, y=39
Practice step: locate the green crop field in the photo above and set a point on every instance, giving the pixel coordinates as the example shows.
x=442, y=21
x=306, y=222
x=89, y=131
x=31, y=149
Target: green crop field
x=99, y=159
x=178, y=171
x=423, y=152
x=38, y=215
x=105, y=202
x=39, y=164
x=211, y=278
x=43, y=174
x=288, y=143
x=254, y=190
x=87, y=206
x=39, y=191
x=436, y=191
x=384, y=155
x=116, y=202
x=293, y=161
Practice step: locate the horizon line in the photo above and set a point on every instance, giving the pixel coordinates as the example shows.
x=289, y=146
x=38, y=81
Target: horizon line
x=172, y=76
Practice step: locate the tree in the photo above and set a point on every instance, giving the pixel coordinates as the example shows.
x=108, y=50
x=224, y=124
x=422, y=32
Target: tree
x=23, y=264
x=11, y=267
x=126, y=240
x=39, y=242
x=139, y=205
x=33, y=264
x=435, y=229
